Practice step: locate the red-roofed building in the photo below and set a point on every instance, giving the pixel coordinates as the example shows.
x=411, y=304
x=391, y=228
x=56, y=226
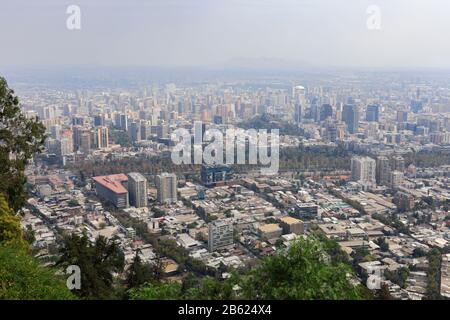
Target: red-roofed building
x=113, y=188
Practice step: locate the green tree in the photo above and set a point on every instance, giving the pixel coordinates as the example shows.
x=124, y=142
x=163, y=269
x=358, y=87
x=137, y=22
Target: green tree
x=97, y=261
x=303, y=271
x=434, y=275
x=10, y=230
x=157, y=291
x=20, y=139
x=139, y=272
x=21, y=277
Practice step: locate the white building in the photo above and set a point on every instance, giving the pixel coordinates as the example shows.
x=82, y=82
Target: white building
x=363, y=170
x=220, y=234
x=166, y=185
x=137, y=190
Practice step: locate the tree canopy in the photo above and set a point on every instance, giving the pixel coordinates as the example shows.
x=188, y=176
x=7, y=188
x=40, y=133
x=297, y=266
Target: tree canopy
x=303, y=271
x=98, y=262
x=20, y=139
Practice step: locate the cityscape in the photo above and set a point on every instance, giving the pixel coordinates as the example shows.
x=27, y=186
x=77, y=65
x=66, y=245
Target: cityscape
x=243, y=183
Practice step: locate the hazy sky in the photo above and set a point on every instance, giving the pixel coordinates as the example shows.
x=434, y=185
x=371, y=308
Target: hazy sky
x=414, y=33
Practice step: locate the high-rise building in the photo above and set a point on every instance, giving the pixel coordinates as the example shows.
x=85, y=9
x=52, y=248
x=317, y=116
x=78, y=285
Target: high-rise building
x=403, y=201
x=121, y=121
x=383, y=170
x=350, y=116
x=398, y=163
x=373, y=113
x=85, y=142
x=166, y=184
x=402, y=116
x=101, y=137
x=298, y=114
x=163, y=131
x=137, y=190
x=363, y=170
x=66, y=142
x=298, y=94
x=220, y=234
x=99, y=120
x=55, y=131
x=135, y=132
x=326, y=111
x=396, y=179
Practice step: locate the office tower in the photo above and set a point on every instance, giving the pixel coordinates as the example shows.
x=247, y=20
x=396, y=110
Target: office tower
x=220, y=234
x=350, y=116
x=213, y=175
x=383, y=170
x=199, y=131
x=396, y=179
x=326, y=111
x=163, y=131
x=137, y=190
x=113, y=188
x=77, y=130
x=218, y=119
x=416, y=106
x=66, y=142
x=78, y=121
x=298, y=94
x=135, y=132
x=402, y=116
x=398, y=163
x=363, y=170
x=298, y=114
x=121, y=121
x=145, y=130
x=166, y=185
x=55, y=131
x=373, y=113
x=85, y=142
x=99, y=120
x=52, y=145
x=315, y=110
x=101, y=137
x=437, y=137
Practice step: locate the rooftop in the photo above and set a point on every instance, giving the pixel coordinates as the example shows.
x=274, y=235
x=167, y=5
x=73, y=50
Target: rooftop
x=113, y=182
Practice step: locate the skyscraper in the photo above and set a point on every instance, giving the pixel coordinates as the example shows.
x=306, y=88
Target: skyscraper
x=398, y=163
x=326, y=111
x=101, y=137
x=166, y=184
x=363, y=170
x=350, y=116
x=137, y=189
x=135, y=132
x=298, y=93
x=373, y=113
x=383, y=170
